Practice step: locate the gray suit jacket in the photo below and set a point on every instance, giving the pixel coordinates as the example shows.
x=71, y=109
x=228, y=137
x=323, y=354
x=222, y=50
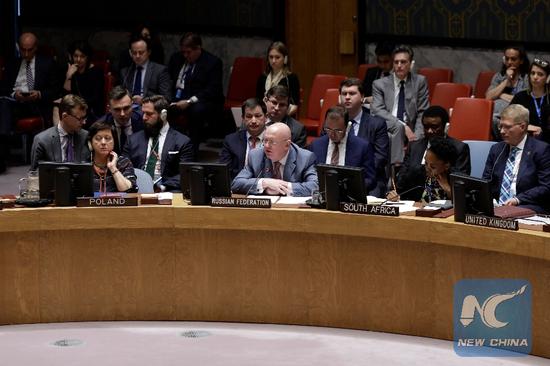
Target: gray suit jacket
x=156, y=82
x=299, y=170
x=47, y=147
x=416, y=102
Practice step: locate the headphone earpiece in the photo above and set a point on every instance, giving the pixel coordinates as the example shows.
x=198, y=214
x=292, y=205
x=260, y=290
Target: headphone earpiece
x=340, y=99
x=504, y=59
x=90, y=145
x=164, y=115
x=548, y=79
x=285, y=60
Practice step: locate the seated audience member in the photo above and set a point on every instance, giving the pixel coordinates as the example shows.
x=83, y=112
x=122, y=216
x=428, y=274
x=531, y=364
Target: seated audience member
x=144, y=77
x=158, y=148
x=147, y=32
x=400, y=99
x=277, y=101
x=518, y=167
x=85, y=80
x=535, y=97
x=112, y=173
x=237, y=145
x=512, y=78
x=65, y=142
x=280, y=167
x=197, y=77
x=121, y=115
x=341, y=147
x=277, y=72
x=413, y=172
x=28, y=90
x=382, y=69
x=371, y=128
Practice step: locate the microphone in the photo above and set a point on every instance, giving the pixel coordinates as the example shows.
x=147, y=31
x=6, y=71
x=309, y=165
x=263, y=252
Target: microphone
x=262, y=172
x=495, y=163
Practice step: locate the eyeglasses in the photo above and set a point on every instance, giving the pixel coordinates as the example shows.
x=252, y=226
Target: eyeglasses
x=540, y=62
x=336, y=131
x=272, y=142
x=79, y=119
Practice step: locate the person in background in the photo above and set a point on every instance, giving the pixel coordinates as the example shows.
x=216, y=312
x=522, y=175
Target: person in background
x=277, y=72
x=277, y=101
x=147, y=32
x=382, y=69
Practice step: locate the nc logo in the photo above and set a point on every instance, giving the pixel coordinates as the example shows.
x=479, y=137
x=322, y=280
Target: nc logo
x=487, y=311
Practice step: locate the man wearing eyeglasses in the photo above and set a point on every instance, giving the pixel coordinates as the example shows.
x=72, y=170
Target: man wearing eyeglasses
x=280, y=167
x=65, y=142
x=121, y=115
x=277, y=100
x=339, y=146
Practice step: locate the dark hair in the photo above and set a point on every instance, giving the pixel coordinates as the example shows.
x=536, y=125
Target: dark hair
x=283, y=50
x=82, y=46
x=138, y=38
x=118, y=92
x=436, y=111
x=159, y=102
x=524, y=67
x=252, y=103
x=338, y=111
x=443, y=149
x=352, y=82
x=191, y=40
x=545, y=66
x=70, y=101
x=403, y=49
x=384, y=48
x=99, y=126
x=278, y=91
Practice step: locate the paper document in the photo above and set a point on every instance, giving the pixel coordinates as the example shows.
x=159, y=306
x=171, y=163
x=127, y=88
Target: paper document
x=535, y=220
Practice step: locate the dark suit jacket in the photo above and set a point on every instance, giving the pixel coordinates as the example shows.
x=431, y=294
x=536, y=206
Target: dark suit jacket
x=47, y=147
x=413, y=173
x=359, y=153
x=234, y=151
x=533, y=180
x=44, y=78
x=373, y=73
x=136, y=119
x=177, y=149
x=156, y=82
x=206, y=80
x=297, y=131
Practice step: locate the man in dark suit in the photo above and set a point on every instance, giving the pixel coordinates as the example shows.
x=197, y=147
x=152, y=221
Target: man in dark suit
x=65, y=142
x=144, y=77
x=158, y=149
x=518, y=167
x=28, y=90
x=197, y=77
x=413, y=173
x=237, y=145
x=400, y=99
x=277, y=100
x=383, y=53
x=341, y=147
x=278, y=168
x=371, y=128
x=121, y=115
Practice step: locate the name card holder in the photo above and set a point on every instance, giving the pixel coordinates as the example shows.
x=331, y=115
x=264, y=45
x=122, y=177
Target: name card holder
x=240, y=202
x=494, y=222
x=107, y=201
x=366, y=209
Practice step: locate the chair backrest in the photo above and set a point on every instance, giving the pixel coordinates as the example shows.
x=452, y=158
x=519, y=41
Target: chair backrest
x=109, y=84
x=445, y=94
x=435, y=76
x=478, y=155
x=144, y=181
x=362, y=70
x=331, y=98
x=471, y=119
x=244, y=75
x=321, y=82
x=483, y=82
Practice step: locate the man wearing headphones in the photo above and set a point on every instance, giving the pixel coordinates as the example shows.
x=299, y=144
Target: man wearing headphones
x=158, y=149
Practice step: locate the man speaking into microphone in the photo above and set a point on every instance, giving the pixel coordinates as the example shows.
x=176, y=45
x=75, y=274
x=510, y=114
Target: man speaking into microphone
x=280, y=167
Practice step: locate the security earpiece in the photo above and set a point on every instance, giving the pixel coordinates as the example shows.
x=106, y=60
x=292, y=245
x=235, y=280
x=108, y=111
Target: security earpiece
x=340, y=99
x=285, y=60
x=504, y=60
x=164, y=115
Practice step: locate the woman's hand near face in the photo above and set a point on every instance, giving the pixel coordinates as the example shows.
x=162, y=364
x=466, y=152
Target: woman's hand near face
x=112, y=161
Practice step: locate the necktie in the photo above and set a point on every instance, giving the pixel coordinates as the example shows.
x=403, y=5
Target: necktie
x=505, y=188
x=355, y=127
x=253, y=140
x=335, y=154
x=137, y=81
x=186, y=93
x=277, y=170
x=69, y=149
x=122, y=137
x=153, y=157
x=401, y=102
x=30, y=78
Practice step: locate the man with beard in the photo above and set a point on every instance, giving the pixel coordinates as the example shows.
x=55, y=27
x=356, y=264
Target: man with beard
x=158, y=149
x=413, y=173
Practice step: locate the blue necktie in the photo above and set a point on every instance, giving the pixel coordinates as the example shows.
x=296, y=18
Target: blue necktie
x=137, y=81
x=401, y=102
x=505, y=188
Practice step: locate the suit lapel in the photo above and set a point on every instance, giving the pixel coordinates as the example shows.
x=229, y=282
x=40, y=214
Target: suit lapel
x=290, y=165
x=168, y=143
x=147, y=78
x=243, y=144
x=390, y=94
x=56, y=145
x=525, y=156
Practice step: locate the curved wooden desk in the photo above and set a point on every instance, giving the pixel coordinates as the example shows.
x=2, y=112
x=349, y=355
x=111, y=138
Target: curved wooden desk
x=290, y=266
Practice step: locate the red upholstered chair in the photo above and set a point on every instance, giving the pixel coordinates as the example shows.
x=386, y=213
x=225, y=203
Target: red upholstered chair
x=483, y=82
x=445, y=94
x=435, y=76
x=330, y=99
x=28, y=127
x=362, y=70
x=109, y=84
x=242, y=83
x=101, y=59
x=321, y=82
x=471, y=119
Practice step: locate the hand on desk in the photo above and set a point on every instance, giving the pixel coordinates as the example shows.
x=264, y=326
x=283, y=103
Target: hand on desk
x=392, y=196
x=275, y=186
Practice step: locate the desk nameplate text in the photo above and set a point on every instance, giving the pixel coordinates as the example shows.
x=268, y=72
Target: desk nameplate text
x=240, y=202
x=107, y=201
x=494, y=222
x=366, y=209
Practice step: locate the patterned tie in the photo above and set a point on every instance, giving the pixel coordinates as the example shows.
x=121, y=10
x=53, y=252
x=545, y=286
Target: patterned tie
x=152, y=161
x=355, y=127
x=335, y=154
x=30, y=78
x=137, y=81
x=186, y=92
x=401, y=102
x=69, y=149
x=505, y=188
x=276, y=170
x=253, y=141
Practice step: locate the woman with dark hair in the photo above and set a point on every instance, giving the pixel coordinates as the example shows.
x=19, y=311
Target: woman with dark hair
x=277, y=72
x=440, y=157
x=147, y=32
x=112, y=173
x=85, y=80
x=535, y=97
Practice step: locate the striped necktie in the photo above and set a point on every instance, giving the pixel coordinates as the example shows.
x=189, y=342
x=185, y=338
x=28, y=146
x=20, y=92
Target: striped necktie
x=30, y=78
x=508, y=177
x=335, y=154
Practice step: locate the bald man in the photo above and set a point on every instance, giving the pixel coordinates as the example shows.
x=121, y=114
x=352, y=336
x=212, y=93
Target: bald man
x=279, y=167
